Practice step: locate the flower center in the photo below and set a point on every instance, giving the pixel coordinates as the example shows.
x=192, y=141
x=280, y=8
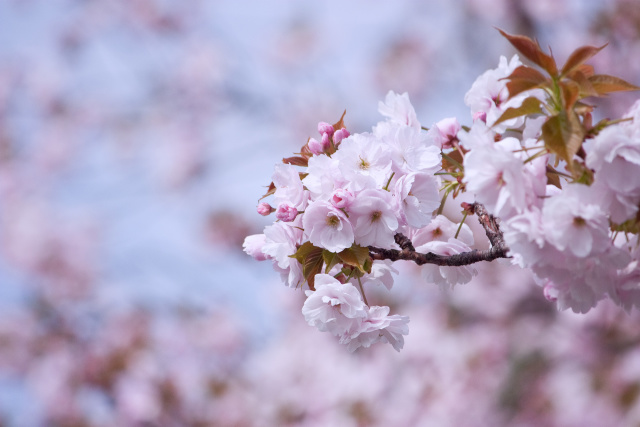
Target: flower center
x=333, y=221
x=437, y=232
x=375, y=216
x=364, y=164
x=578, y=221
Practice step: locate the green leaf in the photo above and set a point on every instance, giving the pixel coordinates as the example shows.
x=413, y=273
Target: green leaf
x=579, y=57
x=604, y=84
x=532, y=51
x=330, y=259
x=563, y=135
x=531, y=105
x=524, y=78
x=356, y=256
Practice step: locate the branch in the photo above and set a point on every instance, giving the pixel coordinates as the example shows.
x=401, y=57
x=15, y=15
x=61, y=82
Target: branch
x=408, y=253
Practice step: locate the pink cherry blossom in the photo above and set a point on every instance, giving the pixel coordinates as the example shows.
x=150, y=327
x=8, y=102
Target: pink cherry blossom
x=334, y=307
x=417, y=197
x=398, y=108
x=253, y=246
x=327, y=226
x=375, y=219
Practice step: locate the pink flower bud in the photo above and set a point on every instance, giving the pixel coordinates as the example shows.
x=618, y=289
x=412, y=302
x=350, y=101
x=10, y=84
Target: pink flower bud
x=265, y=209
x=550, y=292
x=480, y=115
x=286, y=212
x=450, y=126
x=315, y=147
x=341, y=198
x=324, y=127
x=340, y=135
x=325, y=141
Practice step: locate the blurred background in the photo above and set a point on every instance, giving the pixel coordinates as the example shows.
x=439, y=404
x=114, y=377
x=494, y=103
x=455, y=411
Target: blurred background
x=135, y=140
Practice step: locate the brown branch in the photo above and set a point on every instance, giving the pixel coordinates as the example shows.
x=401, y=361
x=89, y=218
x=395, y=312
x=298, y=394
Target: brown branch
x=408, y=253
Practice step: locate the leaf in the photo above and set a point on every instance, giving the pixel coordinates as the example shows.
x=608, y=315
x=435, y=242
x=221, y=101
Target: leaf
x=270, y=190
x=532, y=51
x=604, y=84
x=452, y=161
x=579, y=57
x=563, y=135
x=356, y=256
x=330, y=259
x=524, y=78
x=581, y=79
x=531, y=105
x=311, y=259
x=296, y=161
x=552, y=177
x=340, y=123
x=570, y=93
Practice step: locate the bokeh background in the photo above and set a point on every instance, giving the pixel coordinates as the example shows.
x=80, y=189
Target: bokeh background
x=136, y=137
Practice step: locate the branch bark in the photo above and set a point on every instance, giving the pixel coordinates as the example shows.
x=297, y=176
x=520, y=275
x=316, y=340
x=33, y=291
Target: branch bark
x=408, y=253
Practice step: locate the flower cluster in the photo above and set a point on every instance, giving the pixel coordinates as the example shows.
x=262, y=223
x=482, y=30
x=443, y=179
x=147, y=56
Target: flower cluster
x=554, y=192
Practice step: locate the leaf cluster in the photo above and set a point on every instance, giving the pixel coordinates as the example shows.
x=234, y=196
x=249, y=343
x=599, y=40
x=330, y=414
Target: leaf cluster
x=355, y=261
x=569, y=121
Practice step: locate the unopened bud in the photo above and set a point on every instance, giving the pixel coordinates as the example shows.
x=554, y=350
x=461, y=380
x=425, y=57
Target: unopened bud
x=315, y=147
x=325, y=141
x=339, y=135
x=324, y=127
x=550, y=292
x=286, y=212
x=341, y=198
x=480, y=115
x=265, y=209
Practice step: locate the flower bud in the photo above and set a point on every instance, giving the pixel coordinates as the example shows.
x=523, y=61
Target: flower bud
x=339, y=135
x=315, y=147
x=286, y=212
x=324, y=127
x=480, y=115
x=264, y=209
x=550, y=292
x=325, y=141
x=341, y=198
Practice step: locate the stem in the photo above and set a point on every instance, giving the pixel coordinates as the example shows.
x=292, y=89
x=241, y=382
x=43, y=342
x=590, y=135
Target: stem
x=386, y=187
x=364, y=297
x=460, y=226
x=408, y=253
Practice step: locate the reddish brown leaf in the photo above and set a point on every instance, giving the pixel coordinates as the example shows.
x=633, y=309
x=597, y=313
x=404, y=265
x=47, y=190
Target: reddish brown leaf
x=456, y=160
x=552, y=177
x=340, y=123
x=570, y=93
x=311, y=259
x=296, y=161
x=524, y=78
x=579, y=56
x=586, y=88
x=604, y=84
x=532, y=51
x=270, y=190
x=531, y=105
